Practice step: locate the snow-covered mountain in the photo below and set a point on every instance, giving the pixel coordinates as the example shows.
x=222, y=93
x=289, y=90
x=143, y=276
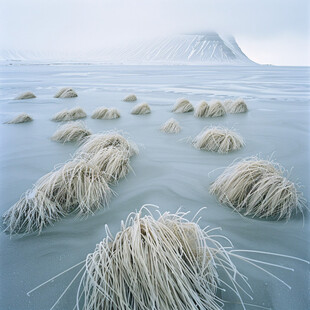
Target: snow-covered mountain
x=203, y=48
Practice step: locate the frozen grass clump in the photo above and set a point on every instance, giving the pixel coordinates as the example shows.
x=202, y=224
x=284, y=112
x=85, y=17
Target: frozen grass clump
x=202, y=109
x=141, y=109
x=165, y=262
x=66, y=92
x=26, y=95
x=171, y=126
x=95, y=143
x=217, y=139
x=182, y=106
x=110, y=152
x=169, y=262
x=21, y=118
x=76, y=113
x=258, y=188
x=113, y=113
x=71, y=132
x=100, y=113
x=112, y=161
x=31, y=213
x=61, y=116
x=106, y=113
x=216, y=109
x=237, y=106
x=130, y=98
x=78, y=186
x=69, y=115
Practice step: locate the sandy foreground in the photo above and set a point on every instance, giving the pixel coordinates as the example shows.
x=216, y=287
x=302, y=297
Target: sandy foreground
x=168, y=171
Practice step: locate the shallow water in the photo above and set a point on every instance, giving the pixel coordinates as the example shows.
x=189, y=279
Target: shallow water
x=169, y=172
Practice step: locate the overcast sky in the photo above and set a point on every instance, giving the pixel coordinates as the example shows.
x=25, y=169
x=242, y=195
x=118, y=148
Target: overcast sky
x=268, y=31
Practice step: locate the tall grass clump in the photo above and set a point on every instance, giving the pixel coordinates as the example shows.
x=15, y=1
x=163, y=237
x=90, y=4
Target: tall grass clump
x=218, y=139
x=71, y=132
x=141, y=109
x=131, y=97
x=171, y=126
x=112, y=161
x=69, y=115
x=110, y=152
x=237, y=106
x=26, y=95
x=31, y=213
x=95, y=143
x=182, y=106
x=216, y=109
x=164, y=262
x=202, y=109
x=78, y=186
x=66, y=92
x=258, y=188
x=21, y=118
x=106, y=113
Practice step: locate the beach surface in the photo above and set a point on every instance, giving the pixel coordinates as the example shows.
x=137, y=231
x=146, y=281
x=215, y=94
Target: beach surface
x=168, y=172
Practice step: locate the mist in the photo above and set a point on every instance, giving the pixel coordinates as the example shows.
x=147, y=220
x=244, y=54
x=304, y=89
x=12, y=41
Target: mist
x=275, y=32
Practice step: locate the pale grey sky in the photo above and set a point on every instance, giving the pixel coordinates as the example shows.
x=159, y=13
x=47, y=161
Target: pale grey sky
x=268, y=31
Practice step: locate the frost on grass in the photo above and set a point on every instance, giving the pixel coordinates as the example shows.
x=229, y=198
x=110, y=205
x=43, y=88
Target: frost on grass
x=112, y=161
x=26, y=95
x=201, y=109
x=217, y=139
x=106, y=113
x=171, y=126
x=258, y=188
x=130, y=98
x=69, y=115
x=21, y=118
x=66, y=92
x=100, y=113
x=216, y=109
x=95, y=143
x=164, y=262
x=71, y=132
x=141, y=109
x=110, y=152
x=78, y=186
x=31, y=213
x=237, y=106
x=182, y=106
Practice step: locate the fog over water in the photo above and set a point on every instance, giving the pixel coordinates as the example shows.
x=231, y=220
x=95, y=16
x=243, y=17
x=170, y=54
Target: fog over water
x=275, y=32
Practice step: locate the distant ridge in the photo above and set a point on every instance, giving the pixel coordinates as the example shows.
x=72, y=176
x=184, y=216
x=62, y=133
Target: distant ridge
x=202, y=48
